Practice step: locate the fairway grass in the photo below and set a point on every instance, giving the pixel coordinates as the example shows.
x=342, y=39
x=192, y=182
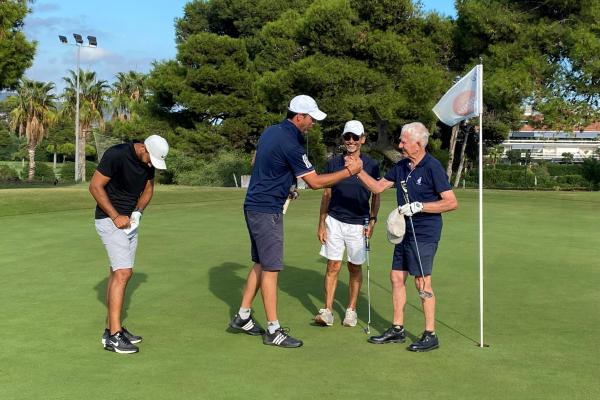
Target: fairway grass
x=542, y=296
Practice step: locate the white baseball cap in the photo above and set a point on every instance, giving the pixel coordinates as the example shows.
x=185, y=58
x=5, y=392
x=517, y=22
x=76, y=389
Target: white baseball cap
x=396, y=226
x=304, y=104
x=355, y=127
x=158, y=148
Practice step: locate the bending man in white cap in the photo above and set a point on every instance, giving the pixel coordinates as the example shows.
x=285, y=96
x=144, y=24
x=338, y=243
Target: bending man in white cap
x=280, y=159
x=344, y=220
x=122, y=186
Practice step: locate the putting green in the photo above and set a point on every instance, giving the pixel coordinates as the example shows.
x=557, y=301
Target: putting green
x=541, y=309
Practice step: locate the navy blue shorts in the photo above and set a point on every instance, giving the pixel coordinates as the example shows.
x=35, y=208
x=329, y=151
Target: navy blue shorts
x=405, y=257
x=266, y=236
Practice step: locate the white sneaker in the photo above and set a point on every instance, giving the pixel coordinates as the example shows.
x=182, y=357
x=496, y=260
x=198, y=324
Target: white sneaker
x=350, y=318
x=324, y=317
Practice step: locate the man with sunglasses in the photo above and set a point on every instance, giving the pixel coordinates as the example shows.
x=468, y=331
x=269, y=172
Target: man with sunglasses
x=344, y=210
x=123, y=185
x=280, y=159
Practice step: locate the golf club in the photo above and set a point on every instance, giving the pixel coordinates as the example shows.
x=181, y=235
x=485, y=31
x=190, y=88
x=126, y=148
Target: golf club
x=422, y=292
x=293, y=195
x=368, y=249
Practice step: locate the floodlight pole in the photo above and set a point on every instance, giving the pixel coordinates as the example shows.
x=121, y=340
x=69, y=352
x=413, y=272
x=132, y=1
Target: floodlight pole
x=79, y=169
x=77, y=166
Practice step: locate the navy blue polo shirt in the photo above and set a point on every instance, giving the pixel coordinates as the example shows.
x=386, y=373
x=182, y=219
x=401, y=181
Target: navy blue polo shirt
x=424, y=184
x=349, y=198
x=280, y=158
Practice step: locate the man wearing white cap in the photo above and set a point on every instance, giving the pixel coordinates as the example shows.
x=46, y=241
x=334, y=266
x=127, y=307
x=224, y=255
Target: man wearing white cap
x=344, y=221
x=280, y=159
x=123, y=185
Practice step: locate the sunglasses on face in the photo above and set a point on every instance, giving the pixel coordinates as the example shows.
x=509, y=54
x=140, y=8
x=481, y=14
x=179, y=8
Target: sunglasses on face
x=348, y=135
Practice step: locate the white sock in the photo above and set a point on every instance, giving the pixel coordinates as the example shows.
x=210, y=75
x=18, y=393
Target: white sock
x=272, y=326
x=244, y=313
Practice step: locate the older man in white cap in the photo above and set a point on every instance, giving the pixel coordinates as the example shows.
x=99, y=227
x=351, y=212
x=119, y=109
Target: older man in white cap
x=123, y=185
x=280, y=159
x=345, y=220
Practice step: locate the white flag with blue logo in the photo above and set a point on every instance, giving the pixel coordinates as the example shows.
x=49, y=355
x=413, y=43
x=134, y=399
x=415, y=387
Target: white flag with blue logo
x=463, y=100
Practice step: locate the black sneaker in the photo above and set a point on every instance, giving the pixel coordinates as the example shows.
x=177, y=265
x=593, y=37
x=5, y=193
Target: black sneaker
x=429, y=341
x=120, y=344
x=134, y=339
x=105, y=337
x=248, y=325
x=392, y=335
x=281, y=338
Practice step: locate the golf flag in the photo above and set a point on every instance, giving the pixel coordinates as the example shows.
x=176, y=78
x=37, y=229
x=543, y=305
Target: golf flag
x=463, y=100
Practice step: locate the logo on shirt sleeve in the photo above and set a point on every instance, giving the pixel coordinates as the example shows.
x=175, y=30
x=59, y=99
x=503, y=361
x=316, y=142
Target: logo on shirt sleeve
x=306, y=162
x=419, y=180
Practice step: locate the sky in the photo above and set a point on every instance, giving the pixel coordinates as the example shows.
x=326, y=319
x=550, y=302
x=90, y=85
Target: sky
x=131, y=35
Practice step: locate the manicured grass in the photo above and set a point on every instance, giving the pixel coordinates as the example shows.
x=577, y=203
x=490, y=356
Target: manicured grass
x=541, y=282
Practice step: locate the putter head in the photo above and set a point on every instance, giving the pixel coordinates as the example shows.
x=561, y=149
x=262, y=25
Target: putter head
x=425, y=294
x=367, y=330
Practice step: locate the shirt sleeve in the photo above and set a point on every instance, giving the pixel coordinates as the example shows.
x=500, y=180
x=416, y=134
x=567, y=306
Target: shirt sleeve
x=392, y=174
x=440, y=179
x=109, y=164
x=298, y=160
x=376, y=173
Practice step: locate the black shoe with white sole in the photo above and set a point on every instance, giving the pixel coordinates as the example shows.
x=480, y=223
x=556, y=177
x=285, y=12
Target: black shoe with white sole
x=120, y=344
x=134, y=339
x=248, y=325
x=392, y=335
x=429, y=341
x=281, y=338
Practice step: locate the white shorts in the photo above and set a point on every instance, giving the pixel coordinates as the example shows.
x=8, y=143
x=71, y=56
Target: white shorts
x=341, y=235
x=120, y=246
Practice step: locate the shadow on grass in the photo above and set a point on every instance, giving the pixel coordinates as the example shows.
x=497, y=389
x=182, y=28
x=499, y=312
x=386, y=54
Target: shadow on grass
x=417, y=307
x=305, y=285
x=136, y=280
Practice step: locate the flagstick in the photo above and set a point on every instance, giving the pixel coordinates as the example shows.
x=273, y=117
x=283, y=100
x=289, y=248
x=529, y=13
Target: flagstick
x=480, y=90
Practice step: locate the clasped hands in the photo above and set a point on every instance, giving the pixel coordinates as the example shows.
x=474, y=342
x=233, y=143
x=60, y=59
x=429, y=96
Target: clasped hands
x=353, y=164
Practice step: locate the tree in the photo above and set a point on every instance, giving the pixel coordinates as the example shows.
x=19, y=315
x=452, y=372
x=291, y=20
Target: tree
x=16, y=53
x=567, y=158
x=127, y=93
x=591, y=171
x=35, y=112
x=93, y=95
x=239, y=63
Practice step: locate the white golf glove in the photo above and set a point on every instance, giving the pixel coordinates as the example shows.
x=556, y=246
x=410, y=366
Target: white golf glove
x=134, y=222
x=409, y=209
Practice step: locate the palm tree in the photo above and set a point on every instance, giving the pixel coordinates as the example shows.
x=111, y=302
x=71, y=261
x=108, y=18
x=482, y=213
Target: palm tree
x=128, y=91
x=92, y=103
x=35, y=112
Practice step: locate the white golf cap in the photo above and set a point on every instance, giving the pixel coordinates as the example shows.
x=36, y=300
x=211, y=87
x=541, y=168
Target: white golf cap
x=158, y=148
x=396, y=226
x=304, y=104
x=355, y=127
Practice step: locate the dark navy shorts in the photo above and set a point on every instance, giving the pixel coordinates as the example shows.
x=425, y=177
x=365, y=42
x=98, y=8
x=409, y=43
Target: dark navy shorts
x=266, y=236
x=405, y=257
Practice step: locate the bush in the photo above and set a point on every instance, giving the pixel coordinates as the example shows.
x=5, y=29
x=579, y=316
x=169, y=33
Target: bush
x=8, y=174
x=217, y=171
x=67, y=172
x=43, y=172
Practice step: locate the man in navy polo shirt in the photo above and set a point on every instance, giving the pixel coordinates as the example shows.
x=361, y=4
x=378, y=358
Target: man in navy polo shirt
x=280, y=159
x=430, y=195
x=344, y=210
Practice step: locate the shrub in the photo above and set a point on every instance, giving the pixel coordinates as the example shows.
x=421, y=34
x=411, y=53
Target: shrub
x=67, y=171
x=43, y=172
x=217, y=171
x=8, y=174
